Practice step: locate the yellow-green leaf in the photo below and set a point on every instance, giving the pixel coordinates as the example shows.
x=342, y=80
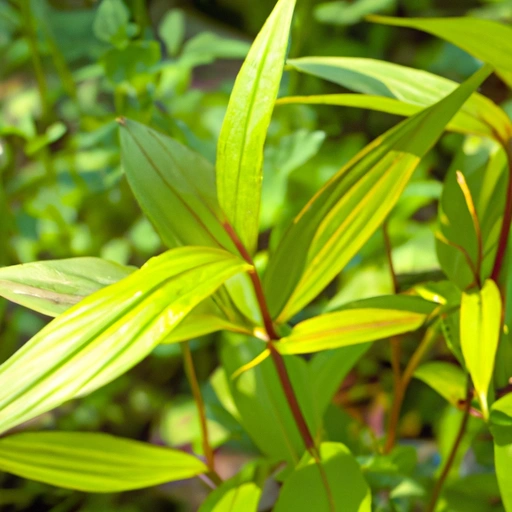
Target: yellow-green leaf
x=341, y=489
x=389, y=87
x=109, y=332
x=92, y=462
x=51, y=287
x=343, y=215
x=447, y=379
x=486, y=40
x=480, y=320
x=348, y=327
x=240, y=148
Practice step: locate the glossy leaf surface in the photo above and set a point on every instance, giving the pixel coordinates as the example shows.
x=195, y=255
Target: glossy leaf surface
x=350, y=327
x=109, y=332
x=240, y=147
x=93, y=462
x=348, y=489
x=335, y=224
x=51, y=287
x=400, y=90
x=480, y=318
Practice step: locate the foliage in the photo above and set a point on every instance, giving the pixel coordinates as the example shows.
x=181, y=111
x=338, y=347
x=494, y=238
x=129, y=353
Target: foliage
x=248, y=270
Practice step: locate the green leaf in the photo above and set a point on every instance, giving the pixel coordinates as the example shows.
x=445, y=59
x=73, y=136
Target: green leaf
x=328, y=370
x=111, y=23
x=133, y=63
x=348, y=489
x=94, y=462
x=480, y=319
x=349, y=327
x=485, y=172
x=261, y=404
x=343, y=12
x=51, y=287
x=240, y=493
x=486, y=40
x=240, y=147
x=445, y=378
x=503, y=462
x=172, y=31
x=400, y=90
x=175, y=188
x=341, y=217
x=109, y=332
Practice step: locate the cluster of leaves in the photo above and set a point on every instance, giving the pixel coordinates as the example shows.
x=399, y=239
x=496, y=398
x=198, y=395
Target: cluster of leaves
x=264, y=396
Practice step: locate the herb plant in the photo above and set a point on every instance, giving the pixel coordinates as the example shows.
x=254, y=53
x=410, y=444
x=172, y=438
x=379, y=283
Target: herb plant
x=213, y=278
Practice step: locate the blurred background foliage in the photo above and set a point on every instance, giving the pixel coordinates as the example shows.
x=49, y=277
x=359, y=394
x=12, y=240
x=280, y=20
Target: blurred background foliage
x=71, y=67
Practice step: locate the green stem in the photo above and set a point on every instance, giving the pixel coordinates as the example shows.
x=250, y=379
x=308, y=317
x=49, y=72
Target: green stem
x=451, y=458
x=198, y=398
x=405, y=379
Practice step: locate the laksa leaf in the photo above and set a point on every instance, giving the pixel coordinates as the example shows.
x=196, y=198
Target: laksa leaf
x=108, y=332
x=51, y=287
x=343, y=215
x=240, y=147
x=91, y=462
x=400, y=90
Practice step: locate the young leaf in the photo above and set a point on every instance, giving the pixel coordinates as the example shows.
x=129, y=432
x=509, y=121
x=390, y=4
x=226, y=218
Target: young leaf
x=109, y=332
x=486, y=40
x=94, y=462
x=349, y=327
x=341, y=217
x=240, y=147
x=445, y=378
x=51, y=287
x=346, y=490
x=399, y=90
x=480, y=318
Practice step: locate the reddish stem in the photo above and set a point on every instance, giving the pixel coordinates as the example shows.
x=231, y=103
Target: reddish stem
x=273, y=336
x=507, y=219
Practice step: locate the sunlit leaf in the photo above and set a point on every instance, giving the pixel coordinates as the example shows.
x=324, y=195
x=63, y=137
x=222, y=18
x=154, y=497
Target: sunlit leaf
x=347, y=489
x=343, y=12
x=341, y=217
x=94, y=462
x=389, y=87
x=175, y=188
x=240, y=493
x=240, y=148
x=486, y=40
x=51, y=287
x=445, y=378
x=109, y=332
x=261, y=404
x=480, y=319
x=349, y=327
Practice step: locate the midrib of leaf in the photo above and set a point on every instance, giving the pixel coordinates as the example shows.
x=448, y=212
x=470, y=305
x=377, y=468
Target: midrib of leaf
x=247, y=120
x=191, y=183
x=299, y=338
x=40, y=293
x=69, y=357
x=311, y=270
x=178, y=196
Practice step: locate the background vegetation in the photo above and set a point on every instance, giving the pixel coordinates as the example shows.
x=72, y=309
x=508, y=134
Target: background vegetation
x=71, y=67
